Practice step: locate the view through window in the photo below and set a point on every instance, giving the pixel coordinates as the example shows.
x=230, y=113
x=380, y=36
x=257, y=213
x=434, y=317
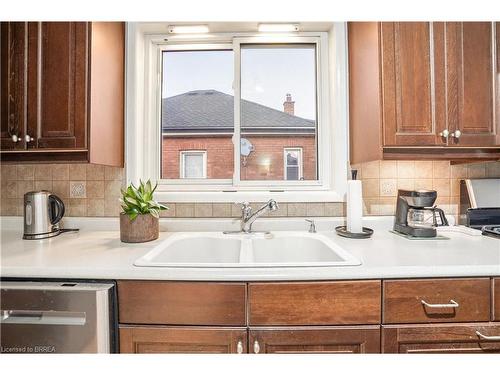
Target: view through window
x=278, y=127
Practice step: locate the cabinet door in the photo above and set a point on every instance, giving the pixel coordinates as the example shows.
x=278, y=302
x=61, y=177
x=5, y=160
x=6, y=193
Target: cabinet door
x=496, y=299
x=142, y=339
x=329, y=340
x=471, y=82
x=57, y=85
x=413, y=92
x=441, y=338
x=13, y=84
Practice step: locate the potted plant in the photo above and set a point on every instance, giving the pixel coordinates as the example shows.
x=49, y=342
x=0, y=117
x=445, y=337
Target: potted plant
x=139, y=221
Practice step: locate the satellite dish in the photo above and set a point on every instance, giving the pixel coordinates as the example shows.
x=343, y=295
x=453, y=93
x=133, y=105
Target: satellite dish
x=246, y=147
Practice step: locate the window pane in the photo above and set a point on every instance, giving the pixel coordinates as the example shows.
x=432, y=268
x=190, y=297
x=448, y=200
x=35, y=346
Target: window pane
x=292, y=173
x=197, y=111
x=193, y=165
x=278, y=110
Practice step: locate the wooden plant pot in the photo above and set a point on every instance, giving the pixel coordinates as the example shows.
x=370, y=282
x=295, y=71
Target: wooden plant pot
x=143, y=229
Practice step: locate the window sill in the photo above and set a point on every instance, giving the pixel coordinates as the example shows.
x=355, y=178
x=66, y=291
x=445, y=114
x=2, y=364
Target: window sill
x=247, y=196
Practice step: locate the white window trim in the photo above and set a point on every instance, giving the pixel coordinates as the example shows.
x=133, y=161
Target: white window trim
x=182, y=163
x=143, y=135
x=300, y=161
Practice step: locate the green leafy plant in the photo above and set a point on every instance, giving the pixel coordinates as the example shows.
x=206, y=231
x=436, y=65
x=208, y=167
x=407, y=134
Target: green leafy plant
x=139, y=200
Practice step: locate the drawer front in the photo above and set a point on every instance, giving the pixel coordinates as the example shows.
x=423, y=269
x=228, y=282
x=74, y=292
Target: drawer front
x=496, y=300
x=436, y=300
x=316, y=303
x=179, y=303
x=441, y=338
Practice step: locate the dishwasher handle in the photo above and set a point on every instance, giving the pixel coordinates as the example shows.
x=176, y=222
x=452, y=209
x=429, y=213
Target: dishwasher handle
x=41, y=317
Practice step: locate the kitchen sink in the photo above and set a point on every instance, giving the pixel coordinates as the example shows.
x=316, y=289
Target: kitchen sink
x=278, y=249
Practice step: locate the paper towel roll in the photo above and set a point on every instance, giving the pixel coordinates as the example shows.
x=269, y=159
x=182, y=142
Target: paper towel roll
x=354, y=206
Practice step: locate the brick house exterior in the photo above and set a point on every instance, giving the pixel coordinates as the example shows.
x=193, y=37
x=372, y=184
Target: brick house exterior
x=203, y=121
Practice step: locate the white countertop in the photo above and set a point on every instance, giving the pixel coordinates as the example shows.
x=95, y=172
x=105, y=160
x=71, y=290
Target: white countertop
x=97, y=253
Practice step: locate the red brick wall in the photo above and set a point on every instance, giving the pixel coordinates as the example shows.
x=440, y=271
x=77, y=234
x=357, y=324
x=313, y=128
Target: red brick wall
x=265, y=163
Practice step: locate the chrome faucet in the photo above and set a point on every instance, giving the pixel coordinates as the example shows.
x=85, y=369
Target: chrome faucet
x=248, y=216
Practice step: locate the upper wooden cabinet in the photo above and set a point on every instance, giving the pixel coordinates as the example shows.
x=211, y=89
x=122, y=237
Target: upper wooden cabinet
x=423, y=90
x=62, y=92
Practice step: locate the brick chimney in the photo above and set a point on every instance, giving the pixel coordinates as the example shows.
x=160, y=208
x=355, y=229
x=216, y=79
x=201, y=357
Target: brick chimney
x=289, y=105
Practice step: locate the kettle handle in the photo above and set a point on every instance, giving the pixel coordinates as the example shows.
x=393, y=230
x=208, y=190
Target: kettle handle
x=57, y=203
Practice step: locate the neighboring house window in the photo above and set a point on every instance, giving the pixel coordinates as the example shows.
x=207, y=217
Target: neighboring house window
x=293, y=165
x=193, y=164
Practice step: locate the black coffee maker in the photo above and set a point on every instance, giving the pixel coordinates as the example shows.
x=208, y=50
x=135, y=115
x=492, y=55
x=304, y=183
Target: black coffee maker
x=415, y=214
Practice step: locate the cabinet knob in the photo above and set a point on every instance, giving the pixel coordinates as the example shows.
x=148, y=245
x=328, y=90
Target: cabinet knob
x=28, y=138
x=256, y=347
x=456, y=134
x=239, y=347
x=445, y=133
x=15, y=138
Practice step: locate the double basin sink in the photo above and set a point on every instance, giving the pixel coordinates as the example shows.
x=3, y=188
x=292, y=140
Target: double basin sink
x=277, y=249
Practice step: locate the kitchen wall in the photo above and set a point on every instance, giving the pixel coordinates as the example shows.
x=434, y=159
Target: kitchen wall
x=93, y=190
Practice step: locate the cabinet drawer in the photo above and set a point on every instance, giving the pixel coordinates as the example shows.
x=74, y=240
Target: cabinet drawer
x=496, y=299
x=446, y=300
x=441, y=338
x=318, y=303
x=190, y=303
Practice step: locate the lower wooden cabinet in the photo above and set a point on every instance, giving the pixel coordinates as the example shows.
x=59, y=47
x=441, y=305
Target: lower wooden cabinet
x=441, y=338
x=143, y=339
x=365, y=339
x=496, y=299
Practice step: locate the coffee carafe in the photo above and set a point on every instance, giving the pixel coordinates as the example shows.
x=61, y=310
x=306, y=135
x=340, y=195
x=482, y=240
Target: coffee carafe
x=416, y=214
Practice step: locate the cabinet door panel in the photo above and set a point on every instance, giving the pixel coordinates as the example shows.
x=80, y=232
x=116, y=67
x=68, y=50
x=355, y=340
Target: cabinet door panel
x=496, y=299
x=471, y=82
x=440, y=338
x=60, y=111
x=409, y=83
x=143, y=340
x=309, y=340
x=13, y=84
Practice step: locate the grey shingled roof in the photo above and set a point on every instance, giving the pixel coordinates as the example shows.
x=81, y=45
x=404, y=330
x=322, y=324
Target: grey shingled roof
x=212, y=110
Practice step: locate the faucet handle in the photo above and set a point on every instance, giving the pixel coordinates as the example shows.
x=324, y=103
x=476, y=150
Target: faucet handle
x=312, y=227
x=244, y=205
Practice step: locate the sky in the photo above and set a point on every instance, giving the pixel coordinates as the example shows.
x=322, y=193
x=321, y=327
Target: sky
x=267, y=75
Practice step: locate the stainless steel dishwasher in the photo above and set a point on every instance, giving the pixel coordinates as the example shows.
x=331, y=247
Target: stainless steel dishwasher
x=56, y=317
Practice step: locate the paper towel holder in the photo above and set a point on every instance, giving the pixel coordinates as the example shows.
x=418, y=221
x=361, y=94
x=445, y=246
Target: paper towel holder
x=342, y=231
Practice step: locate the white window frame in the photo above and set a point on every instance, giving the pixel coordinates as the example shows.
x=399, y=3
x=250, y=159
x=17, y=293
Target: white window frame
x=300, y=161
x=182, y=163
x=143, y=134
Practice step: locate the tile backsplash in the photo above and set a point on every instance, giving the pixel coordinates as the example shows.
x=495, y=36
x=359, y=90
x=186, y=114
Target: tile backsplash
x=382, y=179
x=93, y=190
x=86, y=189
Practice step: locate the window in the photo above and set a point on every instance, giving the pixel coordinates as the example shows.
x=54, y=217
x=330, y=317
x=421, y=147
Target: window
x=244, y=99
x=278, y=107
x=243, y=127
x=293, y=167
x=197, y=109
x=193, y=164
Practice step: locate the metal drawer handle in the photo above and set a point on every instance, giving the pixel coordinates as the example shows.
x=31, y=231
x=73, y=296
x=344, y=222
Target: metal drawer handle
x=256, y=347
x=239, y=347
x=489, y=338
x=452, y=304
x=68, y=318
